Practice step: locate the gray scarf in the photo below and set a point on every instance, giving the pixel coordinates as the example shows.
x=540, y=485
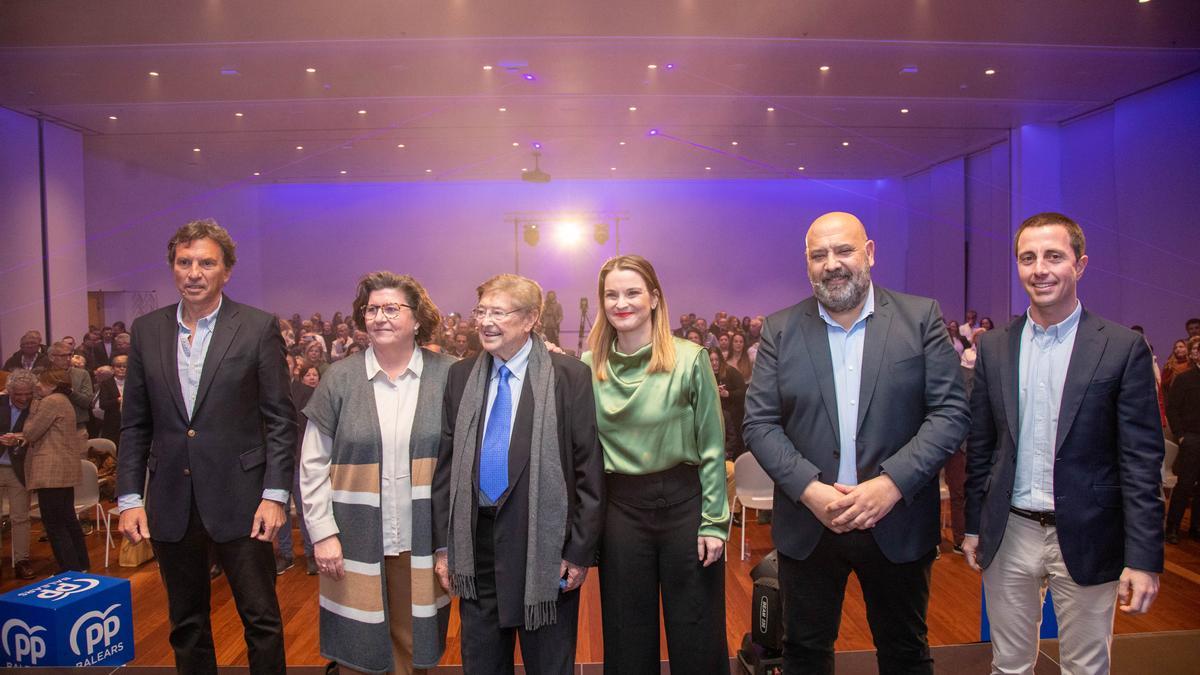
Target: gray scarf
x=547, y=490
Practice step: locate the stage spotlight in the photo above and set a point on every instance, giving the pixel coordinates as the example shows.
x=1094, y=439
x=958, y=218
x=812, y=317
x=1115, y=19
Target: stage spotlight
x=600, y=233
x=569, y=234
x=531, y=234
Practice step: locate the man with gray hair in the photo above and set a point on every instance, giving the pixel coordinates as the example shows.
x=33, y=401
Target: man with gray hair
x=14, y=408
x=81, y=390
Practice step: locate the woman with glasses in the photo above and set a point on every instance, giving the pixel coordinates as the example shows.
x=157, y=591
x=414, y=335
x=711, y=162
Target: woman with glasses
x=367, y=461
x=658, y=412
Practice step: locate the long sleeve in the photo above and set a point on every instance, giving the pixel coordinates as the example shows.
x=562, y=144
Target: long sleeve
x=316, y=488
x=587, y=521
x=42, y=416
x=137, y=422
x=710, y=441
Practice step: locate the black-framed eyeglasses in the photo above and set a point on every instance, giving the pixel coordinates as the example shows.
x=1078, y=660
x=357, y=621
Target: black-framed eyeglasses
x=389, y=311
x=493, y=313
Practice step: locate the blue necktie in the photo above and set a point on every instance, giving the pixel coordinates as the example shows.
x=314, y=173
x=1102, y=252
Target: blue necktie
x=493, y=457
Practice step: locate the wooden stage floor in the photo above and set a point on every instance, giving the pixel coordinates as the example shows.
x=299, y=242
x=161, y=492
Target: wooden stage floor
x=953, y=611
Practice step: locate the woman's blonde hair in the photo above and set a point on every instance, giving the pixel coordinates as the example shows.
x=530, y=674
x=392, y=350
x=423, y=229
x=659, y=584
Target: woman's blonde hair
x=600, y=340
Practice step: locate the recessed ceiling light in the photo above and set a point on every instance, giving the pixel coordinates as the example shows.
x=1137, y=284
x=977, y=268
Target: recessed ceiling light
x=488, y=67
x=310, y=70
x=195, y=149
x=400, y=145
x=845, y=144
x=256, y=173
x=633, y=108
x=612, y=168
x=153, y=73
x=733, y=142
x=112, y=117
x=904, y=111
x=652, y=66
x=708, y=168
x=343, y=172
x=299, y=147
x=502, y=109
x=770, y=109
x=516, y=144
x=799, y=168
x=990, y=71
x=1142, y=2
x=523, y=169
x=824, y=69
x=529, y=76
x=362, y=112
x=428, y=170
x=621, y=143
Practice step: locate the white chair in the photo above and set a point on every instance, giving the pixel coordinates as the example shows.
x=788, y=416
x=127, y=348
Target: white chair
x=103, y=446
x=753, y=488
x=1169, y=479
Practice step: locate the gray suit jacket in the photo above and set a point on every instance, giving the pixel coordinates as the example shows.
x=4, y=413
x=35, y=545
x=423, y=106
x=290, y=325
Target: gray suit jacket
x=912, y=416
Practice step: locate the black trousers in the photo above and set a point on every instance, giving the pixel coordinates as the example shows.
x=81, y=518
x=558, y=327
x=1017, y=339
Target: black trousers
x=896, y=595
x=1187, y=470
x=649, y=547
x=487, y=647
x=249, y=566
x=62, y=528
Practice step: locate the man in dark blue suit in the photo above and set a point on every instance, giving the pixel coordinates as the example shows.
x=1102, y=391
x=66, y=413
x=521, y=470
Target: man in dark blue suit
x=855, y=404
x=1063, y=464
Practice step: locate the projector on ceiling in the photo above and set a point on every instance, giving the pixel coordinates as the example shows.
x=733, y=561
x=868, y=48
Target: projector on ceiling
x=537, y=175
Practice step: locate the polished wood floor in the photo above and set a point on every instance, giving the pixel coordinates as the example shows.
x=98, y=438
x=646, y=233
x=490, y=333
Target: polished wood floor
x=953, y=612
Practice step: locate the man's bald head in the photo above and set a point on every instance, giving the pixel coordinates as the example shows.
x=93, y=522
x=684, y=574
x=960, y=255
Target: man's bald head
x=840, y=258
x=846, y=226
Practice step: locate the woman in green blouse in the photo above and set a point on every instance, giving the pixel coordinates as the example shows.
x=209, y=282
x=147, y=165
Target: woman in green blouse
x=658, y=412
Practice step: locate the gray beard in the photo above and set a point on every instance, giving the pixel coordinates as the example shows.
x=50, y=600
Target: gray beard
x=846, y=298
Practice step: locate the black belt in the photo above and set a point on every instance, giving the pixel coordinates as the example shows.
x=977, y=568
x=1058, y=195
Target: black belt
x=1043, y=518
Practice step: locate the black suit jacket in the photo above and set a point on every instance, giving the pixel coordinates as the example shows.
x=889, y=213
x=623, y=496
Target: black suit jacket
x=16, y=454
x=1108, y=451
x=98, y=356
x=583, y=469
x=240, y=439
x=110, y=403
x=912, y=415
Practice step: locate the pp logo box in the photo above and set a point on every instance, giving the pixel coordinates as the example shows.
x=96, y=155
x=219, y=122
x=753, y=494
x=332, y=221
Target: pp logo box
x=73, y=619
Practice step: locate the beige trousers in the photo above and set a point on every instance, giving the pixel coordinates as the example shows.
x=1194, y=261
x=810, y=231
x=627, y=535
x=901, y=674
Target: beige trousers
x=18, y=510
x=1030, y=561
x=397, y=571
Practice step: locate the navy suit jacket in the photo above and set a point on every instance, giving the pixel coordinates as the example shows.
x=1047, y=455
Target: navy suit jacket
x=242, y=435
x=1108, y=452
x=912, y=416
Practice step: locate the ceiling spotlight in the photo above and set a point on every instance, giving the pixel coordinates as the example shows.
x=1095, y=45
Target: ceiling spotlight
x=238, y=115
x=529, y=77
x=502, y=109
x=362, y=112
x=824, y=69
x=770, y=109
x=299, y=147
x=523, y=169
x=487, y=67
x=256, y=173
x=400, y=145
x=112, y=117
x=653, y=66
x=904, y=111
x=670, y=66
x=612, y=168
x=990, y=71
x=708, y=168
x=653, y=132
x=153, y=73
x=428, y=170
x=733, y=142
x=310, y=70
x=621, y=143
x=633, y=108
x=799, y=168
x=516, y=144
x=1142, y=2
x=845, y=144
x=195, y=149
x=343, y=172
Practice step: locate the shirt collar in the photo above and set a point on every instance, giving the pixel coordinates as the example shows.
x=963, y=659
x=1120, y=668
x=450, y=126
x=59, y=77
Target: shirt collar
x=517, y=364
x=204, y=320
x=868, y=309
x=415, y=364
x=1059, y=331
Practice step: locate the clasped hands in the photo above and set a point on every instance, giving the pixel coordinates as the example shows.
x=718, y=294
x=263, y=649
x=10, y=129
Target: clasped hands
x=843, y=508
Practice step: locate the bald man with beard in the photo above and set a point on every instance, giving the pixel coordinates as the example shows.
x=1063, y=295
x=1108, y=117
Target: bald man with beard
x=855, y=405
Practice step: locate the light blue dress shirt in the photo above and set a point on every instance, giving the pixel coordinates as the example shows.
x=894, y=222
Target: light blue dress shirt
x=1045, y=355
x=6, y=452
x=846, y=352
x=517, y=365
x=189, y=359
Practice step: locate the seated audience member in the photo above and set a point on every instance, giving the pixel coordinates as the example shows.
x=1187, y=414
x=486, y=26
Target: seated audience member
x=739, y=358
x=314, y=353
x=723, y=344
x=121, y=342
x=102, y=348
x=755, y=331
x=285, y=330
x=30, y=355
x=1183, y=411
x=362, y=339
x=693, y=335
x=14, y=410
x=337, y=349
x=1192, y=327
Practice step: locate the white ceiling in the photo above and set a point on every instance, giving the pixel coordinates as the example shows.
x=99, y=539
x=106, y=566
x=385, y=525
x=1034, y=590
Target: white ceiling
x=417, y=68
